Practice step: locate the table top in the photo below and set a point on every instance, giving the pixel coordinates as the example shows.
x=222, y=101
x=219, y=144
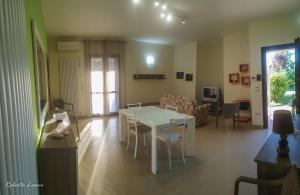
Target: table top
x=268, y=153
x=154, y=116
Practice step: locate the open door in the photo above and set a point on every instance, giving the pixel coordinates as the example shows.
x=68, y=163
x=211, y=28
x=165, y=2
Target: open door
x=280, y=64
x=297, y=74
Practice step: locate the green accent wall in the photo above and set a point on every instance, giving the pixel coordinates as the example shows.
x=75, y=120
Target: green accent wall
x=33, y=11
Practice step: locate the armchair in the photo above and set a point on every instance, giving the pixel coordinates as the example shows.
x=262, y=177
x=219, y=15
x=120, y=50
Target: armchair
x=290, y=184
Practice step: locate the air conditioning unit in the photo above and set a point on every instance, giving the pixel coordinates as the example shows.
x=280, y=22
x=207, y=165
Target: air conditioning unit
x=68, y=46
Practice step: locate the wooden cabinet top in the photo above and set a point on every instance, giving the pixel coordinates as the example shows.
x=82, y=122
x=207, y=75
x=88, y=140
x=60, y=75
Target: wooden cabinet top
x=48, y=142
x=268, y=153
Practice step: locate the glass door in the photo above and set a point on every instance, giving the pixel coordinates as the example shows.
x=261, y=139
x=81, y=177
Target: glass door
x=97, y=85
x=104, y=86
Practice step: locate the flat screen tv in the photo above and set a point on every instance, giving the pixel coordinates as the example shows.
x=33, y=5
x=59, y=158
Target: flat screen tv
x=210, y=94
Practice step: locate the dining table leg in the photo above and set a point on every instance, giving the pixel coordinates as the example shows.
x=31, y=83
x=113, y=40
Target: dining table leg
x=189, y=142
x=122, y=127
x=154, y=150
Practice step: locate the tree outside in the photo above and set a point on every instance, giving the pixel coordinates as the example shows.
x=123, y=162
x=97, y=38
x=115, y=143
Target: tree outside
x=281, y=76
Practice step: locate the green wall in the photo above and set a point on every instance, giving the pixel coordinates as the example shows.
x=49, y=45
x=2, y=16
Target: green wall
x=33, y=11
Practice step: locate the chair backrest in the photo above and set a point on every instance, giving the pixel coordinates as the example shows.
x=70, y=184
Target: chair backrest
x=131, y=122
x=229, y=109
x=178, y=125
x=134, y=105
x=168, y=107
x=58, y=103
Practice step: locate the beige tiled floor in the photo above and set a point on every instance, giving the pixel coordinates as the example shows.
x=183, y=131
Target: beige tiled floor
x=105, y=168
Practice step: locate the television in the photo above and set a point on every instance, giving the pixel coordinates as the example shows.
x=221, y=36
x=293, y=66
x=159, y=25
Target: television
x=210, y=94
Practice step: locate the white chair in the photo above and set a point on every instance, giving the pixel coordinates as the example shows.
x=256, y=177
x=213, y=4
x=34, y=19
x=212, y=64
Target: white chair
x=171, y=108
x=134, y=105
x=173, y=134
x=134, y=128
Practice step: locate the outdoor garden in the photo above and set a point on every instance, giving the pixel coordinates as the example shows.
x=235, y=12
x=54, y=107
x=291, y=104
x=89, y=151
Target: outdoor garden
x=281, y=76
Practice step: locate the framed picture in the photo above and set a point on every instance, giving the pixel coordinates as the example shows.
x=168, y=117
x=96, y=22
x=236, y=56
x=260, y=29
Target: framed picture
x=244, y=68
x=179, y=75
x=234, y=78
x=245, y=80
x=189, y=77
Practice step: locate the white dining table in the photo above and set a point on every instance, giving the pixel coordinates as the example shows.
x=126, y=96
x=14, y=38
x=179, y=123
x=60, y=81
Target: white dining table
x=157, y=118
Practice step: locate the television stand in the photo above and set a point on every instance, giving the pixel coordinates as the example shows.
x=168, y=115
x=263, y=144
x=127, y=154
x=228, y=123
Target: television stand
x=214, y=108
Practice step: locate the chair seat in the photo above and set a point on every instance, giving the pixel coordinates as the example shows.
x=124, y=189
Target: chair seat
x=141, y=129
x=169, y=136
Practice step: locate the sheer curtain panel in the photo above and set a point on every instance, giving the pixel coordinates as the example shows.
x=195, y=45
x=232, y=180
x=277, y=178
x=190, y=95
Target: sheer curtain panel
x=105, y=61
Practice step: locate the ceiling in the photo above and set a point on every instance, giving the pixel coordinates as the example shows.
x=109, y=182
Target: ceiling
x=207, y=19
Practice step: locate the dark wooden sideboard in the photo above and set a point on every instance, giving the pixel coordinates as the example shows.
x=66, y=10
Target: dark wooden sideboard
x=271, y=167
x=57, y=162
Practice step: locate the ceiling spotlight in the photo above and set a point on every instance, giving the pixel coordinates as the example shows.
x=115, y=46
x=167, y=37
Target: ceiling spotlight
x=169, y=17
x=164, y=6
x=162, y=15
x=136, y=1
x=156, y=3
x=183, y=21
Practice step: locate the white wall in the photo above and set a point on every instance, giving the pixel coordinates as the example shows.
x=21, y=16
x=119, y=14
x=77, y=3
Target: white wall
x=275, y=31
x=185, y=60
x=54, y=57
x=209, y=66
x=235, y=52
x=147, y=91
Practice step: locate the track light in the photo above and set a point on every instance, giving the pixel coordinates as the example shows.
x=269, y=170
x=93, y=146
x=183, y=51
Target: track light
x=167, y=13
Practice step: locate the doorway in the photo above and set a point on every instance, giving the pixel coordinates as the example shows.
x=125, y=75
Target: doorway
x=104, y=85
x=279, y=84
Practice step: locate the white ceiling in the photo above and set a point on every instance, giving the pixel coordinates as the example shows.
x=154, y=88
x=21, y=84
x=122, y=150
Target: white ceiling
x=207, y=19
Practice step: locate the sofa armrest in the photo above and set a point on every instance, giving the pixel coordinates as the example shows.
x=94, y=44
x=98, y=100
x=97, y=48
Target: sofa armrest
x=203, y=108
x=200, y=112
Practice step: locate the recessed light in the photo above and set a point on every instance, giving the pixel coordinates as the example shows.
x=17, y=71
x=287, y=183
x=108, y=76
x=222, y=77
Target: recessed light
x=136, y=1
x=164, y=6
x=169, y=17
x=162, y=15
x=156, y=3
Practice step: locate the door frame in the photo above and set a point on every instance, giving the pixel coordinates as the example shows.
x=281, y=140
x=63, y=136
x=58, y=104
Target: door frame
x=264, y=50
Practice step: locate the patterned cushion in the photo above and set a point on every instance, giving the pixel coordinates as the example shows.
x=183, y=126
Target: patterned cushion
x=187, y=106
x=291, y=183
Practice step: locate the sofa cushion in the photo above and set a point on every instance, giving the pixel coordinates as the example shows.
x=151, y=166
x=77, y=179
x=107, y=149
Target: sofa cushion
x=185, y=105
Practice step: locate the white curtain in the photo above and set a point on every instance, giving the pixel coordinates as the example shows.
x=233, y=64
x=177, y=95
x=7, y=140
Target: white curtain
x=69, y=82
x=105, y=61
